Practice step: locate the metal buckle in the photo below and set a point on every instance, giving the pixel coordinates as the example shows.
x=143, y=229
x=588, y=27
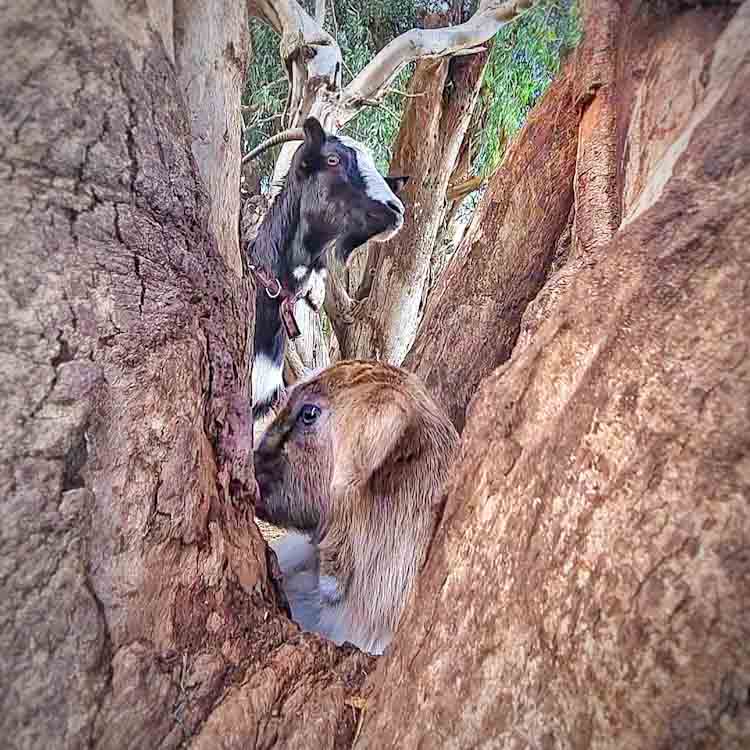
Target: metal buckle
x=254, y=269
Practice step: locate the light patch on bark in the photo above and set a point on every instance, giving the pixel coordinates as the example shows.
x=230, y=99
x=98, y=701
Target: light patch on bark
x=727, y=57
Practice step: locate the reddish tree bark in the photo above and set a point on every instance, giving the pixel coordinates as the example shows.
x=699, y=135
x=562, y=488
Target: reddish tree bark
x=137, y=591
x=590, y=583
x=588, y=586
x=473, y=315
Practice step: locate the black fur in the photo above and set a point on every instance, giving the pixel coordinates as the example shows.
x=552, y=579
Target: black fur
x=320, y=205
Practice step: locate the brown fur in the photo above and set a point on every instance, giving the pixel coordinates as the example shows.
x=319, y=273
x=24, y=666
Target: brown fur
x=364, y=482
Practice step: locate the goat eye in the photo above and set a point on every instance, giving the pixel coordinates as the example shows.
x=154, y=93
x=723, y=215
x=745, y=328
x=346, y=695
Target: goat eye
x=332, y=160
x=309, y=413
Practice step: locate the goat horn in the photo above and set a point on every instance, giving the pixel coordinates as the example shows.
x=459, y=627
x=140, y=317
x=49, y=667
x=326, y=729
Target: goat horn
x=293, y=134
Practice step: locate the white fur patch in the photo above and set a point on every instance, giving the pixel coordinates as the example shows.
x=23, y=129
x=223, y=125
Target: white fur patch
x=300, y=272
x=375, y=185
x=298, y=560
x=267, y=377
x=295, y=553
x=316, y=288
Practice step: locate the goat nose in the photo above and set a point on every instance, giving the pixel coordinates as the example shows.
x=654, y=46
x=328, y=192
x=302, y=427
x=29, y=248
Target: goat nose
x=396, y=207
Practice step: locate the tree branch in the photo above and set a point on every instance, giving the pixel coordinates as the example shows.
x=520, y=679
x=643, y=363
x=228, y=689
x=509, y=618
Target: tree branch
x=339, y=306
x=313, y=63
x=462, y=189
x=416, y=44
x=320, y=12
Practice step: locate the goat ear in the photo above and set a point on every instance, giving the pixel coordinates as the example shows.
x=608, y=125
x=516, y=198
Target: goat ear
x=372, y=436
x=315, y=137
x=397, y=183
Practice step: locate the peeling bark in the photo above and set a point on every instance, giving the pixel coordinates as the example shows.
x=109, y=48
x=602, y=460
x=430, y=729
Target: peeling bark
x=383, y=321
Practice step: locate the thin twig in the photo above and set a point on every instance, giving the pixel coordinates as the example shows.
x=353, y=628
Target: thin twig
x=244, y=129
x=255, y=123
x=270, y=84
x=391, y=90
x=348, y=69
x=335, y=24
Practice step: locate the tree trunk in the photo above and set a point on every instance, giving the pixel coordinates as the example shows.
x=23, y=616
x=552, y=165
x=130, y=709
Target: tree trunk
x=383, y=320
x=473, y=315
x=589, y=586
x=211, y=41
x=138, y=606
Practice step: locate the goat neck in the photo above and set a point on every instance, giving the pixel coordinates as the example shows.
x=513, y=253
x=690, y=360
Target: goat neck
x=285, y=246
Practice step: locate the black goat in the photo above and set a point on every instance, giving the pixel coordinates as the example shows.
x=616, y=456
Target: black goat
x=333, y=197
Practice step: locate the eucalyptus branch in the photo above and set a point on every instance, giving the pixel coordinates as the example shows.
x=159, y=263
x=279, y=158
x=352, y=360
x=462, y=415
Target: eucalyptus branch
x=405, y=94
x=373, y=80
x=380, y=105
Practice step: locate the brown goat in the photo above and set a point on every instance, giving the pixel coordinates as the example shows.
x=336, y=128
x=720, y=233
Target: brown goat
x=356, y=460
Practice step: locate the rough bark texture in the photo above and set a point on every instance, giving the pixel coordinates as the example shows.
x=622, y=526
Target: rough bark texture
x=383, y=322
x=589, y=583
x=632, y=112
x=595, y=214
x=589, y=586
x=136, y=589
x=211, y=40
x=473, y=315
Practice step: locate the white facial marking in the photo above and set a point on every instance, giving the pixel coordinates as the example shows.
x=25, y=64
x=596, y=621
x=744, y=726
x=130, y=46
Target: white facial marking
x=267, y=377
x=375, y=185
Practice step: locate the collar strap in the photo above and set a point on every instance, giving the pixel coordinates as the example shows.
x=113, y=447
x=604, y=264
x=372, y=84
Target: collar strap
x=274, y=289
x=270, y=283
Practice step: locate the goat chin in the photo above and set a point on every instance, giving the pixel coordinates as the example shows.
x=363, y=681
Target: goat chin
x=389, y=233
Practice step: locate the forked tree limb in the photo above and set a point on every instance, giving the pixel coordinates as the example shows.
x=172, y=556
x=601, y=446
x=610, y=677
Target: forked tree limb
x=314, y=63
x=417, y=44
x=313, y=58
